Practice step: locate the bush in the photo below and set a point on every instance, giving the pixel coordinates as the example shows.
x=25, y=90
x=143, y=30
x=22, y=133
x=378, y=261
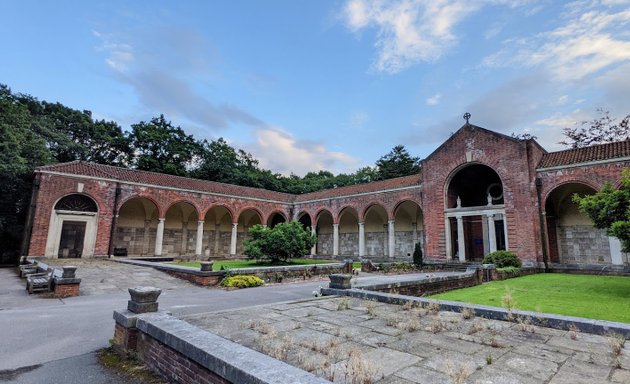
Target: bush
x=241, y=281
x=502, y=259
x=417, y=255
x=280, y=243
x=513, y=270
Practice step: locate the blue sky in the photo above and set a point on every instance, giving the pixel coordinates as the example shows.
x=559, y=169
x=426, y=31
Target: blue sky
x=310, y=85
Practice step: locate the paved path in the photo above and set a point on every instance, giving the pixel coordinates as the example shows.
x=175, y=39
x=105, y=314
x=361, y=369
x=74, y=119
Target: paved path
x=38, y=330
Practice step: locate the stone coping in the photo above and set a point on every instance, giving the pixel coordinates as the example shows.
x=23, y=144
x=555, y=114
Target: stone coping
x=232, y=361
x=239, y=271
x=411, y=280
x=598, y=327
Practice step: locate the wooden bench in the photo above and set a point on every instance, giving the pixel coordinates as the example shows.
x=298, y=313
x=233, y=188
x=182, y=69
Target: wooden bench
x=28, y=269
x=42, y=281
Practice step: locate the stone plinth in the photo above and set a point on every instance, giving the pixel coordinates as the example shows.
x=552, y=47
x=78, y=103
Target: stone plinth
x=206, y=266
x=340, y=281
x=69, y=271
x=143, y=299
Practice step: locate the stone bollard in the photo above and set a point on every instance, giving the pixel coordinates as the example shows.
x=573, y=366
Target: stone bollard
x=340, y=281
x=206, y=266
x=143, y=300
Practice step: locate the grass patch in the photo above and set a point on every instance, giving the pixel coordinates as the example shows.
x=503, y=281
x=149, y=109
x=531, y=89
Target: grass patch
x=593, y=297
x=255, y=263
x=131, y=369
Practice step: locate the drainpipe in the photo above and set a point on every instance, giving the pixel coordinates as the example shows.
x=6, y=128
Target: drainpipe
x=30, y=216
x=110, y=248
x=543, y=235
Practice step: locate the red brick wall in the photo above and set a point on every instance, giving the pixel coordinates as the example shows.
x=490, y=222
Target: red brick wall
x=514, y=161
x=175, y=367
x=67, y=290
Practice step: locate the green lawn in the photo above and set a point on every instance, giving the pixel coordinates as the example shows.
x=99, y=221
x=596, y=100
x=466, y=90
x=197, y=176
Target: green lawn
x=594, y=297
x=253, y=263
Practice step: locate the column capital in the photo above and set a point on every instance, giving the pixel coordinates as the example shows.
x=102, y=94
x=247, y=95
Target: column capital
x=200, y=221
x=234, y=225
x=162, y=219
x=361, y=223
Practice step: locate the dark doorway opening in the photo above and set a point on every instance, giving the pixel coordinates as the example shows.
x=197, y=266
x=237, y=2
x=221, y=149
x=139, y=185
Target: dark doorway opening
x=72, y=236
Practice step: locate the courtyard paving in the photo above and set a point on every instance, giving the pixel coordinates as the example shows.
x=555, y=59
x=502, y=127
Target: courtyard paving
x=357, y=341
x=102, y=276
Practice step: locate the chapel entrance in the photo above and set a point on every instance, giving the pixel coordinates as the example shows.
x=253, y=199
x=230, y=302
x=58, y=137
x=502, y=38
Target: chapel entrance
x=475, y=213
x=71, y=243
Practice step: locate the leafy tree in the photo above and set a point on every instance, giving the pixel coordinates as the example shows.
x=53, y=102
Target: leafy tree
x=158, y=146
x=280, y=243
x=600, y=130
x=610, y=209
x=397, y=163
x=524, y=136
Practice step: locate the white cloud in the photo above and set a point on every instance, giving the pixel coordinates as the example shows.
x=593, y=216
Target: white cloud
x=412, y=31
x=590, y=40
x=358, y=119
x=434, y=100
x=281, y=152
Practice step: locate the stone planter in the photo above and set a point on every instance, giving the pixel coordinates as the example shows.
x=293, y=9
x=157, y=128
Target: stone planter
x=206, y=266
x=340, y=281
x=143, y=299
x=69, y=271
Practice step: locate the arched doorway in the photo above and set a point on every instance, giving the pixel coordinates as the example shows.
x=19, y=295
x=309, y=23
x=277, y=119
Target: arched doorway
x=409, y=227
x=246, y=220
x=136, y=227
x=180, y=230
x=324, y=232
x=572, y=236
x=218, y=232
x=73, y=226
x=376, y=232
x=348, y=241
x=475, y=213
x=275, y=219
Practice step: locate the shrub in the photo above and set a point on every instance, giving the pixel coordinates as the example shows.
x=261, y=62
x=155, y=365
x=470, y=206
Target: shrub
x=513, y=270
x=502, y=259
x=280, y=243
x=417, y=255
x=241, y=281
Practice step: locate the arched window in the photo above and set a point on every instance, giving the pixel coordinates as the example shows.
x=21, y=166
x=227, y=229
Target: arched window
x=77, y=203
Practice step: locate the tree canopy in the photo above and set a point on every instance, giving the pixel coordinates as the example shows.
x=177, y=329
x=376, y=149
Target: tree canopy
x=601, y=130
x=610, y=209
x=397, y=163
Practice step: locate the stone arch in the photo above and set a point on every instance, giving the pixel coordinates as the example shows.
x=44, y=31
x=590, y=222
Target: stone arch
x=180, y=224
x=472, y=182
x=475, y=212
x=375, y=221
x=572, y=238
x=348, y=222
x=247, y=218
x=409, y=227
x=73, y=227
x=304, y=218
x=324, y=222
x=275, y=218
x=136, y=226
x=217, y=231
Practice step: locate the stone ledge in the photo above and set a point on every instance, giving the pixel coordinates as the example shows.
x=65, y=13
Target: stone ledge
x=598, y=327
x=225, y=358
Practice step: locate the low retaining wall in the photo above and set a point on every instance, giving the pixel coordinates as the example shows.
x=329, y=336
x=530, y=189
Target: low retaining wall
x=268, y=274
x=183, y=353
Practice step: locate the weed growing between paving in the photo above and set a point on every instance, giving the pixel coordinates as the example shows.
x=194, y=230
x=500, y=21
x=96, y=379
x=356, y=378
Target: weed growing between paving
x=132, y=369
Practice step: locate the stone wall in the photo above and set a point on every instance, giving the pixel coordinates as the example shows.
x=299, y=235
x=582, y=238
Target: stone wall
x=349, y=244
x=325, y=244
x=583, y=244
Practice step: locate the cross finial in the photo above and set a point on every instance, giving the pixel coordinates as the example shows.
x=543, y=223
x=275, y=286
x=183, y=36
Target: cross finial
x=467, y=117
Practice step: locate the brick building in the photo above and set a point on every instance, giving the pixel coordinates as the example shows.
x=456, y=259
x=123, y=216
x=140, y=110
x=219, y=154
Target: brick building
x=479, y=191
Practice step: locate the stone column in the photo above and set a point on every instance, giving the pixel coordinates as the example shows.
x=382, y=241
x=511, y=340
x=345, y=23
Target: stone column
x=199, y=244
x=414, y=234
x=391, y=229
x=361, y=239
x=461, y=244
x=335, y=239
x=492, y=236
x=146, y=241
x=159, y=237
x=314, y=249
x=505, y=230
x=447, y=238
x=233, y=239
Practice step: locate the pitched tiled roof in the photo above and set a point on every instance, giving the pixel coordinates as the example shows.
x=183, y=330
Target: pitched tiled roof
x=83, y=168
x=159, y=179
x=616, y=150
x=399, y=182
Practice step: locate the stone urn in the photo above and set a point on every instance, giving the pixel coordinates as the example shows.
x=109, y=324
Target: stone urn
x=69, y=271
